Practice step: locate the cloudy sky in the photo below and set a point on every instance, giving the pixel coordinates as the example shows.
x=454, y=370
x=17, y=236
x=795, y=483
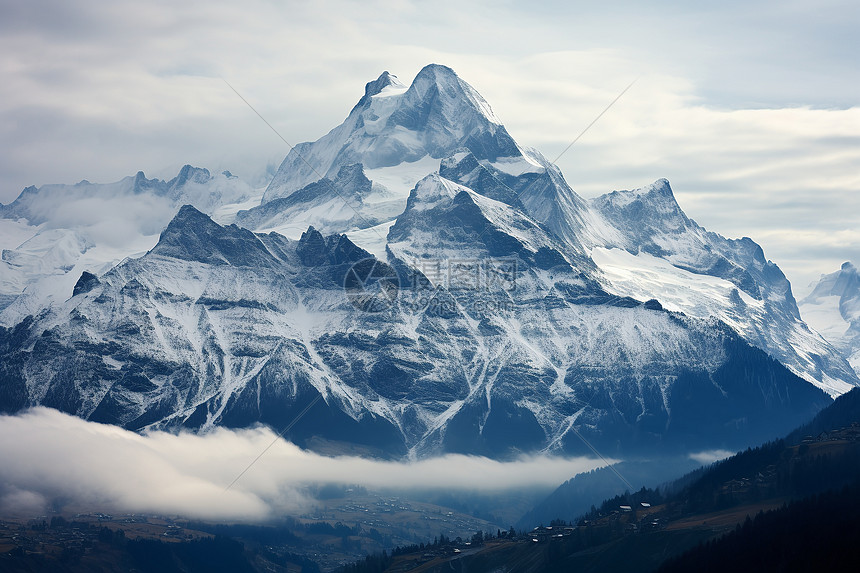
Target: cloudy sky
x=750, y=109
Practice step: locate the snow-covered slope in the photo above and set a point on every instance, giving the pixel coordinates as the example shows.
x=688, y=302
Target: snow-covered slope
x=349, y=201
x=514, y=349
x=833, y=309
x=663, y=254
x=50, y=235
x=539, y=188
x=651, y=221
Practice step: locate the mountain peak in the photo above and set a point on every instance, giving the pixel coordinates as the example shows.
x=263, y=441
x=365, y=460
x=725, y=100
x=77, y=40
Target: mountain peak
x=143, y=185
x=660, y=190
x=87, y=282
x=311, y=236
x=437, y=72
x=189, y=173
x=437, y=85
x=833, y=309
x=314, y=250
x=843, y=283
x=311, y=248
x=376, y=87
x=662, y=186
x=393, y=125
x=656, y=197
x=193, y=236
x=384, y=80
x=189, y=214
x=352, y=174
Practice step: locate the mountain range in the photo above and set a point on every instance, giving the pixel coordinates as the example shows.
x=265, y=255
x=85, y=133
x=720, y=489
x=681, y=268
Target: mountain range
x=422, y=283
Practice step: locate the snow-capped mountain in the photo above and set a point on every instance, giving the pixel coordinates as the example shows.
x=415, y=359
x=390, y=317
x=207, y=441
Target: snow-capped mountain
x=667, y=256
x=220, y=326
x=440, y=288
x=833, y=309
x=50, y=235
x=398, y=135
x=641, y=242
x=642, y=245
x=392, y=125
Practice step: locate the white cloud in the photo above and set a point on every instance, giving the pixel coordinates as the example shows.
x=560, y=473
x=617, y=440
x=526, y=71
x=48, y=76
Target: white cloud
x=710, y=456
x=54, y=456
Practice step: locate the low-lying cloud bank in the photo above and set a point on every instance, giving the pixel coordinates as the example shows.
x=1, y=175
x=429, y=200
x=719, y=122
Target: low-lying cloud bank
x=710, y=456
x=49, y=457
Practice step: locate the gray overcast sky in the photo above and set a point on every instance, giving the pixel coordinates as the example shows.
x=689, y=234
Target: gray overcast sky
x=750, y=109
